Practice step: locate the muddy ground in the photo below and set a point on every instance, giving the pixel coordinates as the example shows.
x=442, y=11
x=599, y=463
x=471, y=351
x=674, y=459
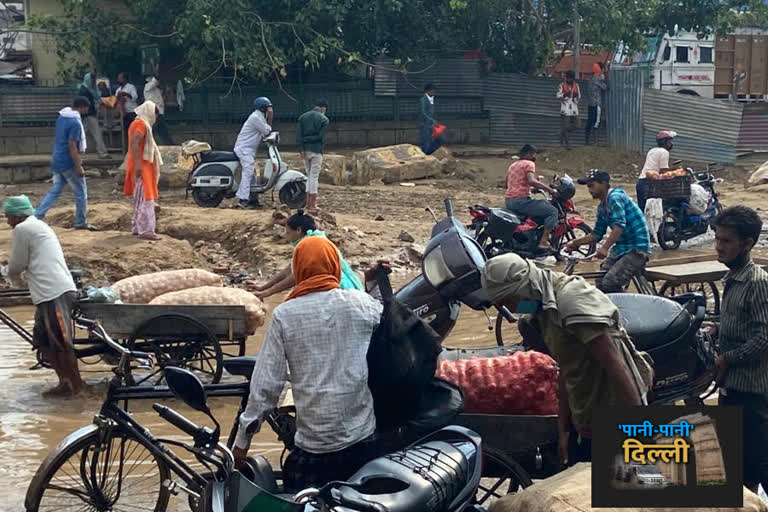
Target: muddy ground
x=377, y=221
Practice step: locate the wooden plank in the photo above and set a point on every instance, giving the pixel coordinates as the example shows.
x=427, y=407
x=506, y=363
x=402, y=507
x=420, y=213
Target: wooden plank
x=122, y=320
x=682, y=259
x=693, y=272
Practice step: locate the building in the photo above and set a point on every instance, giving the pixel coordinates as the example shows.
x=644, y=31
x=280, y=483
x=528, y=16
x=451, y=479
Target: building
x=15, y=55
x=586, y=62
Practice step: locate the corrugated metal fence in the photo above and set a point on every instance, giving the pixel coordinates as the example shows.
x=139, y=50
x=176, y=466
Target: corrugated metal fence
x=707, y=129
x=624, y=108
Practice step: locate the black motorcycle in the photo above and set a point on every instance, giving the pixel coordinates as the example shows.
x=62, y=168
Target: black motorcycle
x=499, y=231
x=679, y=224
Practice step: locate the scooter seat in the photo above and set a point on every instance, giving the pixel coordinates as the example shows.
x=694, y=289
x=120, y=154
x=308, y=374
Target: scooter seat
x=218, y=156
x=428, y=476
x=240, y=366
x=651, y=321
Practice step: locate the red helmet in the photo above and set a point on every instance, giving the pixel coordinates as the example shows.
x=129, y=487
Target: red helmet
x=664, y=135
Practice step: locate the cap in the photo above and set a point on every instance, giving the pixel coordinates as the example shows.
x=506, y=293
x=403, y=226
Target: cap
x=598, y=175
x=664, y=134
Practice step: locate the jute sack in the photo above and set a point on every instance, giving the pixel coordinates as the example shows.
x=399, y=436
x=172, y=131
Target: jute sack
x=571, y=491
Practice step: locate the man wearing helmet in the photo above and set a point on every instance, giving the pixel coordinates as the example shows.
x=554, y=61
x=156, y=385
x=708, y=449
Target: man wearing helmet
x=656, y=160
x=253, y=131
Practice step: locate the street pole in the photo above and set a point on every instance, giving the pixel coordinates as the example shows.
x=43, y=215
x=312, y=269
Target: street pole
x=576, y=42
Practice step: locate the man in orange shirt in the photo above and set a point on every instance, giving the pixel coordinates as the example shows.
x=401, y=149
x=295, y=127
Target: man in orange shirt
x=521, y=178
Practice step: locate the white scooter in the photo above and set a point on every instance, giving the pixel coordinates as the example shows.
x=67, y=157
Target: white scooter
x=216, y=175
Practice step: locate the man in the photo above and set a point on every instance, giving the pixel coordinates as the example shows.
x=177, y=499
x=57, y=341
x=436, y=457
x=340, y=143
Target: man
x=521, y=178
x=127, y=98
x=153, y=93
x=310, y=133
x=256, y=127
x=597, y=86
x=91, y=120
x=628, y=248
x=36, y=251
x=66, y=164
x=579, y=327
x=569, y=95
x=656, y=160
x=428, y=144
x=742, y=366
x=322, y=334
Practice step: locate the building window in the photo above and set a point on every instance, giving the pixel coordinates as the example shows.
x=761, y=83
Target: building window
x=706, y=55
x=681, y=54
x=667, y=53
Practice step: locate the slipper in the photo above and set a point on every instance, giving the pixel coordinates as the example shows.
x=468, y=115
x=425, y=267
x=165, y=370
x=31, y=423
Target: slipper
x=153, y=237
x=87, y=227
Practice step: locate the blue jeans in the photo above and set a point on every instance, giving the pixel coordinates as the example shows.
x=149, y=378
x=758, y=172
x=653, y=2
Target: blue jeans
x=79, y=188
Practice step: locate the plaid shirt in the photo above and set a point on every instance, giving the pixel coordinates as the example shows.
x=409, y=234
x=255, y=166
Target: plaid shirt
x=619, y=210
x=323, y=337
x=744, y=329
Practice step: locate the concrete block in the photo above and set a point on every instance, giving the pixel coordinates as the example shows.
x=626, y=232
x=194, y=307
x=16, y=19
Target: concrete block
x=393, y=164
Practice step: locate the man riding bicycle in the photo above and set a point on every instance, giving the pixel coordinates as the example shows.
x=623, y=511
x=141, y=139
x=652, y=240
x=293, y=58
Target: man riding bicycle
x=628, y=248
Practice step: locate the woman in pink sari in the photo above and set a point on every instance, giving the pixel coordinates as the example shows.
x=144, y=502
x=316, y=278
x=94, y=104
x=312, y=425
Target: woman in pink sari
x=142, y=171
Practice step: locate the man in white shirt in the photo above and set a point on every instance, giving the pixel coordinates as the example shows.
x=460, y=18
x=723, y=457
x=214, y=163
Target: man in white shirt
x=569, y=95
x=251, y=134
x=154, y=93
x=656, y=160
x=322, y=333
x=36, y=252
x=127, y=98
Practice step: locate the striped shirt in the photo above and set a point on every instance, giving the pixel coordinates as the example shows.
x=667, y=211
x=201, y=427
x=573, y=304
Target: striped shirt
x=744, y=329
x=620, y=210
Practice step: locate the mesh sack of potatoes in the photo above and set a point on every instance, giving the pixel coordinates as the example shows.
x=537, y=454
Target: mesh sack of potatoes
x=142, y=289
x=212, y=295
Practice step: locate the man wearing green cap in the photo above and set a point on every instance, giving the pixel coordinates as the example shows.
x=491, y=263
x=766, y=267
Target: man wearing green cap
x=36, y=251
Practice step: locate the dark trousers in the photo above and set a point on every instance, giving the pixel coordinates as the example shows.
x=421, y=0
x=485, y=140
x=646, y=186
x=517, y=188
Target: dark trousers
x=579, y=449
x=642, y=193
x=593, y=122
x=303, y=469
x=619, y=271
x=429, y=144
x=127, y=120
x=161, y=132
x=755, y=437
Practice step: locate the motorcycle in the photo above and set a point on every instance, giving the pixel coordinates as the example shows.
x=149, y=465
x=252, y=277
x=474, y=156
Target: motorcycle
x=439, y=472
x=500, y=231
x=669, y=330
x=215, y=176
x=679, y=223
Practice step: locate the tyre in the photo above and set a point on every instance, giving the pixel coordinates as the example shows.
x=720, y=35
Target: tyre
x=207, y=198
x=117, y=472
x=572, y=234
x=500, y=476
x=503, y=331
x=176, y=340
x=294, y=194
x=708, y=289
x=668, y=235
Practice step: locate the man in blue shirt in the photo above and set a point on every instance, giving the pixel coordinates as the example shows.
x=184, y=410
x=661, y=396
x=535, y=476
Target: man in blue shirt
x=628, y=248
x=66, y=164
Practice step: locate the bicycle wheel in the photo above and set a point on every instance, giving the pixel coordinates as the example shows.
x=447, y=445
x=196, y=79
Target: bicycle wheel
x=501, y=476
x=506, y=330
x=93, y=474
x=708, y=289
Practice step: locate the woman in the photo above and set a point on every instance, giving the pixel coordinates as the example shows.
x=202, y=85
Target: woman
x=142, y=171
x=91, y=120
x=297, y=227
x=580, y=326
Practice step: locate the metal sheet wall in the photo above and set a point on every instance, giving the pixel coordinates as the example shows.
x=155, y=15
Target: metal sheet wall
x=624, y=108
x=525, y=110
x=754, y=128
x=452, y=77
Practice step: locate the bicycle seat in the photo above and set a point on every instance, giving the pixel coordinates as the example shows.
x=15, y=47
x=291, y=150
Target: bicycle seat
x=218, y=156
x=241, y=366
x=649, y=320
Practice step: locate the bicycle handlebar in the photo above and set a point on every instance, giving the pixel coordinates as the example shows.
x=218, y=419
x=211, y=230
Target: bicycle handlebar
x=568, y=256
x=176, y=419
x=95, y=328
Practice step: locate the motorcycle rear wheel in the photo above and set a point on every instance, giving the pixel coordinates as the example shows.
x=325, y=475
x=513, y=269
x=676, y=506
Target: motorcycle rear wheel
x=572, y=234
x=294, y=194
x=207, y=198
x=668, y=235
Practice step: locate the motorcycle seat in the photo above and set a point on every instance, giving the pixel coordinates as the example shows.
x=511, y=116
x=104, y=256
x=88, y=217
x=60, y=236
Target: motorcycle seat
x=240, y=366
x=649, y=320
x=218, y=156
x=428, y=476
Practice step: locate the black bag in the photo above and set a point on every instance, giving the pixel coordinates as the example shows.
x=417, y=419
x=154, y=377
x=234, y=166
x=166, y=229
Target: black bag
x=402, y=359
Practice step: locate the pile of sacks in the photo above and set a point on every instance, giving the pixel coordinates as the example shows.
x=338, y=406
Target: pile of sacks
x=189, y=287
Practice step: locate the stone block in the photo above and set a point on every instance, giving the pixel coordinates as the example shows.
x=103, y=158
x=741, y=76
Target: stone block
x=333, y=172
x=173, y=173
x=392, y=164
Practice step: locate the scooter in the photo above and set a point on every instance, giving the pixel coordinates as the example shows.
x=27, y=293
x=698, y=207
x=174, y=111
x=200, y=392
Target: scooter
x=215, y=177
x=439, y=472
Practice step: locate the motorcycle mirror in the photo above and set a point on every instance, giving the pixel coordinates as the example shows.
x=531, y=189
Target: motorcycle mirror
x=185, y=385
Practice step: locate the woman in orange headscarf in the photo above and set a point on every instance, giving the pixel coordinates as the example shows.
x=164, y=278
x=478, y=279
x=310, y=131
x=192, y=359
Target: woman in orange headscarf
x=316, y=267
x=142, y=171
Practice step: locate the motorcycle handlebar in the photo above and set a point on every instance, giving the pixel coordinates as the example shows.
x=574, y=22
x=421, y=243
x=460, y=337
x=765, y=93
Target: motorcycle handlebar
x=176, y=419
x=449, y=207
x=507, y=314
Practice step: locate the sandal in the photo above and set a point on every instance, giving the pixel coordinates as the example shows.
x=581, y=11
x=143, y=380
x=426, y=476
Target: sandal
x=152, y=237
x=86, y=227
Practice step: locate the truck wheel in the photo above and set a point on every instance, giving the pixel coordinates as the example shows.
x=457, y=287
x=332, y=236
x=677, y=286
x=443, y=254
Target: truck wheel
x=294, y=194
x=207, y=198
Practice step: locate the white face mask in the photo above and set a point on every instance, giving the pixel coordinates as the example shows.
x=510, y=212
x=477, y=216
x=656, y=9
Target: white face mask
x=431, y=99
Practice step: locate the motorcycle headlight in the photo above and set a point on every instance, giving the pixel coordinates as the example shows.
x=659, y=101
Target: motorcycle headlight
x=436, y=270
x=452, y=264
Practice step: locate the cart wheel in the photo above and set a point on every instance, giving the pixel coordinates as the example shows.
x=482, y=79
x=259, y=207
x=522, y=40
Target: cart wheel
x=708, y=289
x=176, y=340
x=501, y=476
x=233, y=348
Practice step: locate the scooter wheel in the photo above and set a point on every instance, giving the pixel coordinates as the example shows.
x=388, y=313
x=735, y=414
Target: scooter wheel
x=294, y=194
x=206, y=198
